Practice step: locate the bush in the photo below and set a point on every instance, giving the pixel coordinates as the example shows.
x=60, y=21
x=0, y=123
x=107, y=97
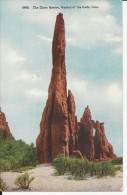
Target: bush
x=117, y=161
x=3, y=134
x=15, y=154
x=3, y=186
x=80, y=168
x=72, y=166
x=4, y=165
x=93, y=169
x=60, y=163
x=23, y=181
x=105, y=169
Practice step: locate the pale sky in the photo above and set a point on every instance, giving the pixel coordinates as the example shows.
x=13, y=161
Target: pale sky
x=93, y=62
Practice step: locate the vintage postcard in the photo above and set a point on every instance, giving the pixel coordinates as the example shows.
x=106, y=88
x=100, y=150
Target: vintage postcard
x=61, y=115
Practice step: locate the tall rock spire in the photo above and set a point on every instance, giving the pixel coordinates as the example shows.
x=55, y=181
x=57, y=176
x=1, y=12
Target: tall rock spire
x=86, y=115
x=53, y=138
x=86, y=138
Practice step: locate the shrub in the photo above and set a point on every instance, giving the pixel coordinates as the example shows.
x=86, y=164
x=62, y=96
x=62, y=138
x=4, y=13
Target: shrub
x=117, y=161
x=80, y=168
x=16, y=154
x=3, y=134
x=60, y=163
x=93, y=169
x=105, y=169
x=119, y=168
x=4, y=165
x=23, y=181
x=72, y=166
x=3, y=186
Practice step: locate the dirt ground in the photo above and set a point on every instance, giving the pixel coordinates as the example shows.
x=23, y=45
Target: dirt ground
x=46, y=181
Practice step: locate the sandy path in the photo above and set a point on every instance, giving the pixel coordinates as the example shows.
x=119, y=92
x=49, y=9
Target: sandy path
x=46, y=181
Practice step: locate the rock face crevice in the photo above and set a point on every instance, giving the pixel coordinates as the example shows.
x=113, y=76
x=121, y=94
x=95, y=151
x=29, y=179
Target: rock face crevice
x=60, y=131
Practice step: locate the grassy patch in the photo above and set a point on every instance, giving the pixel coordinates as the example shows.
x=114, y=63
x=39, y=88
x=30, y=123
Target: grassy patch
x=61, y=164
x=23, y=181
x=80, y=168
x=117, y=161
x=3, y=186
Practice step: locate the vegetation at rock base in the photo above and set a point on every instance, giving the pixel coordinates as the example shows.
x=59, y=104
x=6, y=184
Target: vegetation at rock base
x=23, y=181
x=3, y=186
x=15, y=154
x=61, y=164
x=117, y=161
x=80, y=168
x=3, y=134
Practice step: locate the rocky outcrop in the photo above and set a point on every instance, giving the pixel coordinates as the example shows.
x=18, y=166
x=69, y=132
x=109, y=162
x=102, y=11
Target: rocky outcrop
x=86, y=118
x=4, y=128
x=86, y=139
x=54, y=129
x=93, y=147
x=103, y=149
x=60, y=132
x=77, y=154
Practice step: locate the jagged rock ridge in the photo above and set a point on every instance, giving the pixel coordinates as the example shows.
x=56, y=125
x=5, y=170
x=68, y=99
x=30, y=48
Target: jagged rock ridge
x=93, y=147
x=60, y=133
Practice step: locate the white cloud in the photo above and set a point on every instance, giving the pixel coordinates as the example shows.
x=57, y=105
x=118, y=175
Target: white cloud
x=88, y=29
x=110, y=38
x=80, y=86
x=26, y=76
x=12, y=62
x=118, y=51
x=114, y=93
x=99, y=28
x=36, y=93
x=93, y=93
x=9, y=55
x=43, y=38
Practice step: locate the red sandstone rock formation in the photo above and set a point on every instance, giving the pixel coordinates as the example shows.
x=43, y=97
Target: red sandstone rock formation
x=72, y=122
x=86, y=139
x=4, y=126
x=60, y=133
x=54, y=129
x=93, y=147
x=103, y=149
x=86, y=118
x=77, y=154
